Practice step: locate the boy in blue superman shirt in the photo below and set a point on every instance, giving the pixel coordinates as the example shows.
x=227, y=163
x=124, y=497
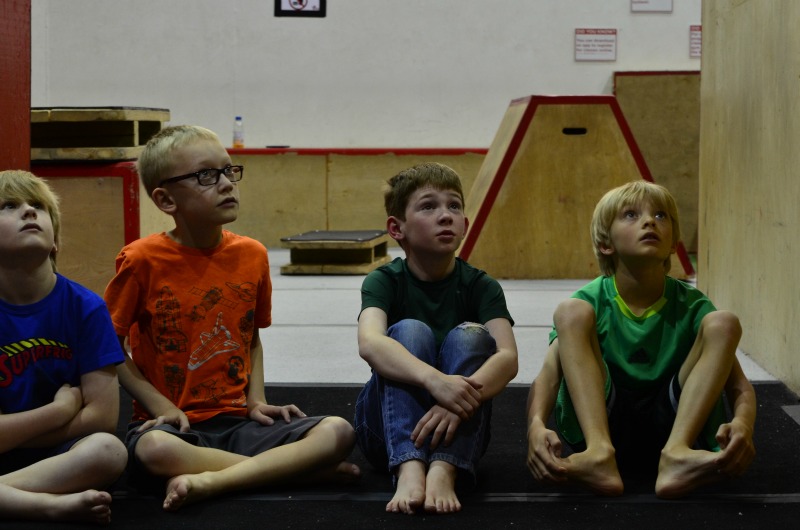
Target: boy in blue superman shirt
x=59, y=396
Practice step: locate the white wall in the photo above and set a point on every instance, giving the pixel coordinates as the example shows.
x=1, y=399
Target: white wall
x=373, y=73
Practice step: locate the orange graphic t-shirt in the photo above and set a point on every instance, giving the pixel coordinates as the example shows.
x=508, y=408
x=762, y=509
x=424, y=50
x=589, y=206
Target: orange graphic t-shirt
x=190, y=315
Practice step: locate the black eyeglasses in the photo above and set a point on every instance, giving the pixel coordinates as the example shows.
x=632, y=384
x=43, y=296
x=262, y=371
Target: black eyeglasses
x=210, y=176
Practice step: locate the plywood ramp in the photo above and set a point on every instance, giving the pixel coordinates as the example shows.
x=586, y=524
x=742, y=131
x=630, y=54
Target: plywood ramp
x=532, y=201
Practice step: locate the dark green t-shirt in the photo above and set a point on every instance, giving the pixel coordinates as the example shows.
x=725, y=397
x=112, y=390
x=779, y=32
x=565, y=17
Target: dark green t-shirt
x=467, y=295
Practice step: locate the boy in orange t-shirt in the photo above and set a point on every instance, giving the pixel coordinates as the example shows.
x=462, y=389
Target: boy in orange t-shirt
x=191, y=302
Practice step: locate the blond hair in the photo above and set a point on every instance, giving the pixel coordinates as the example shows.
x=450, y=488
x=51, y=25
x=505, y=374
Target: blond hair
x=23, y=186
x=155, y=162
x=637, y=192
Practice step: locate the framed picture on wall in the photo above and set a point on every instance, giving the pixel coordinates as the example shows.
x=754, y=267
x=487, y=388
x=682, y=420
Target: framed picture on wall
x=300, y=8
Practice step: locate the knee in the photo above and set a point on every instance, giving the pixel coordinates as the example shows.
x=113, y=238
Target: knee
x=410, y=328
x=417, y=337
x=340, y=431
x=104, y=454
x=573, y=314
x=471, y=336
x=721, y=326
x=155, y=450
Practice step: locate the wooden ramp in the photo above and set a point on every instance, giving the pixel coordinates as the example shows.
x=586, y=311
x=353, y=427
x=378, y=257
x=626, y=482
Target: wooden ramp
x=530, y=206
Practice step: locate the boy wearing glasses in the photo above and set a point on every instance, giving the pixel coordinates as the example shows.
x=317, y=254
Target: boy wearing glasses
x=191, y=302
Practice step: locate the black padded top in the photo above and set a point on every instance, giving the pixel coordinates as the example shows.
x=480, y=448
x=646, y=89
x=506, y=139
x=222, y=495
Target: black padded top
x=336, y=235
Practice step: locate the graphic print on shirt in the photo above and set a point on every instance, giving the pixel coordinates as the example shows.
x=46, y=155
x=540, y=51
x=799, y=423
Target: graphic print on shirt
x=246, y=326
x=246, y=291
x=235, y=373
x=17, y=356
x=209, y=299
x=208, y=392
x=213, y=343
x=174, y=378
x=169, y=337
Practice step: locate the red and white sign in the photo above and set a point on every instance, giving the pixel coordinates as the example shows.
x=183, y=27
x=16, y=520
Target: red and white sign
x=595, y=44
x=696, y=41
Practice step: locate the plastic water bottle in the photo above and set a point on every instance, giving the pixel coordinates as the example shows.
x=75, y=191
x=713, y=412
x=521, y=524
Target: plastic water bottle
x=238, y=133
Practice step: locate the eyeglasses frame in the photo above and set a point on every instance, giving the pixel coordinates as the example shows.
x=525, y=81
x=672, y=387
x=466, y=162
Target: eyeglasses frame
x=196, y=174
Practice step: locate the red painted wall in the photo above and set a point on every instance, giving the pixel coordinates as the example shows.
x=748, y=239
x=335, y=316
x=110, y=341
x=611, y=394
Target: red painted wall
x=15, y=84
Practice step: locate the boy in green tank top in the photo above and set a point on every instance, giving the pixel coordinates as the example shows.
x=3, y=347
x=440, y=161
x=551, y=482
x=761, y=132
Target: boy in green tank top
x=638, y=364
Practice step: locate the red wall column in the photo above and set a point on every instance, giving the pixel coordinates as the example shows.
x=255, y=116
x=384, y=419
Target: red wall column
x=15, y=84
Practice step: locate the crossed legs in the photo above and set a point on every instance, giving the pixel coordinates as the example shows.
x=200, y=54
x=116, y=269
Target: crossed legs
x=195, y=473
x=62, y=488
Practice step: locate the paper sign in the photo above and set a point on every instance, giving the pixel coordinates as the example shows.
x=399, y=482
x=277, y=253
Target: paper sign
x=651, y=6
x=695, y=41
x=595, y=44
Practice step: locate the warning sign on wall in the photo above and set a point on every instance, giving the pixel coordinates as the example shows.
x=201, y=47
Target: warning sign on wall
x=595, y=44
x=695, y=41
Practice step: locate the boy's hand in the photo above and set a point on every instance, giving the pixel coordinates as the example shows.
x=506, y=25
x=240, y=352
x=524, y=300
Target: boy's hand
x=440, y=422
x=458, y=394
x=174, y=417
x=736, y=440
x=264, y=414
x=544, y=454
x=70, y=398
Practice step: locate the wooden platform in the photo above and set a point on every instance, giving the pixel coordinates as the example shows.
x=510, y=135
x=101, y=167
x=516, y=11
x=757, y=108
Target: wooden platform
x=93, y=133
x=336, y=251
x=531, y=204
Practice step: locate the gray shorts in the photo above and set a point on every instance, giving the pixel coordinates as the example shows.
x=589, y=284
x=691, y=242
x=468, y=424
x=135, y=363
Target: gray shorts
x=233, y=434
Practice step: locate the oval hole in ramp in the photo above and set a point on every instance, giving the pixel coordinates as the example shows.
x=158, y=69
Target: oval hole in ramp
x=574, y=131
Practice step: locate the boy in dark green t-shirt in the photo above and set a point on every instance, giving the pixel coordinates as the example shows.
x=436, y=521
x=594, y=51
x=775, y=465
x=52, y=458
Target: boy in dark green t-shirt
x=637, y=365
x=437, y=334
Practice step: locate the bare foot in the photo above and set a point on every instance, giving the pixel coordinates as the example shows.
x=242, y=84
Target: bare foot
x=684, y=469
x=186, y=489
x=410, y=492
x=440, y=484
x=89, y=506
x=595, y=469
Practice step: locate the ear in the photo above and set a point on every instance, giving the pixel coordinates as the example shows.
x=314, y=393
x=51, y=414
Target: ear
x=466, y=225
x=163, y=201
x=395, y=228
x=606, y=250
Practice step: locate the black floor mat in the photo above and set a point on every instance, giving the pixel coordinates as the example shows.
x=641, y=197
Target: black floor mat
x=507, y=496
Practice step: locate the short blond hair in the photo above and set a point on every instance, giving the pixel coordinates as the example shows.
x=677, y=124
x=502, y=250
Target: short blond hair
x=24, y=186
x=636, y=192
x=155, y=162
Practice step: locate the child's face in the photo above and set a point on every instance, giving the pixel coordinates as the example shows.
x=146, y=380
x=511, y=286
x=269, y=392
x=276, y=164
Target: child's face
x=25, y=227
x=199, y=205
x=434, y=222
x=641, y=230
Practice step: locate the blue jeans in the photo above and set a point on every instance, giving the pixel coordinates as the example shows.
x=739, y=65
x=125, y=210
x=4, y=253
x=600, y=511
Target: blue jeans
x=387, y=411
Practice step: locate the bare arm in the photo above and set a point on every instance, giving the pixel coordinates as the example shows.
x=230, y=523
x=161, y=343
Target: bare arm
x=257, y=407
x=21, y=428
x=99, y=411
x=544, y=446
x=459, y=394
x=736, y=437
x=157, y=405
x=502, y=367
